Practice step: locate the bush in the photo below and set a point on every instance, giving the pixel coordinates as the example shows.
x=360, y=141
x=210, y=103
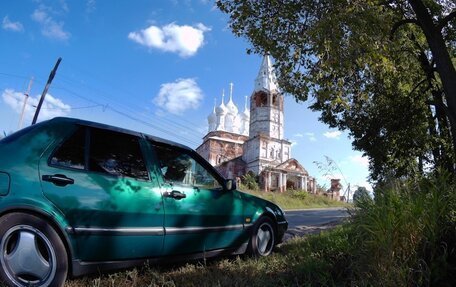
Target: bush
x=407, y=235
x=250, y=181
x=300, y=194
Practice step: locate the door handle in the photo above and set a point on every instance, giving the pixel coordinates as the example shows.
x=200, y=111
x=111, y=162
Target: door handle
x=175, y=194
x=58, y=179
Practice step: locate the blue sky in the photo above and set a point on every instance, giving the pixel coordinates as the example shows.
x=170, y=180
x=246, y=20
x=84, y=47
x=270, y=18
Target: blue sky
x=151, y=66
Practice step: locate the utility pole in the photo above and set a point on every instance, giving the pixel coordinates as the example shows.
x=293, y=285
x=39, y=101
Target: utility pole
x=51, y=77
x=27, y=94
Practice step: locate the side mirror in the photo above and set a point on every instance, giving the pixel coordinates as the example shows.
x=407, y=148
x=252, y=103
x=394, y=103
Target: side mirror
x=230, y=184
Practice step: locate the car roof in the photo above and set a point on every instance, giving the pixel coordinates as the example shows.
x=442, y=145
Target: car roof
x=121, y=130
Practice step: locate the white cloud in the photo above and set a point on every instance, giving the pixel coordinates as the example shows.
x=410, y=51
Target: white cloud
x=91, y=6
x=298, y=135
x=52, y=107
x=360, y=160
x=311, y=137
x=64, y=6
x=179, y=96
x=49, y=27
x=294, y=143
x=184, y=40
x=12, y=26
x=333, y=134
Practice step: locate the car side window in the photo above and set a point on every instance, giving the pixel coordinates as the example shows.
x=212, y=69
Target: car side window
x=116, y=154
x=71, y=152
x=178, y=167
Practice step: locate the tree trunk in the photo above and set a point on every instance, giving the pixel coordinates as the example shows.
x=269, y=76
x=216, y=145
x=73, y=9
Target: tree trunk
x=442, y=58
x=444, y=130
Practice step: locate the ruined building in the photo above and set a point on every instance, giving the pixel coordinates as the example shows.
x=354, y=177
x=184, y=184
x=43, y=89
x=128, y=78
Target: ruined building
x=253, y=140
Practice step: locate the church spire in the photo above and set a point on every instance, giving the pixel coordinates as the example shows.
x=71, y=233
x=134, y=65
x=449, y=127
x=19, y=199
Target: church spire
x=266, y=79
x=212, y=118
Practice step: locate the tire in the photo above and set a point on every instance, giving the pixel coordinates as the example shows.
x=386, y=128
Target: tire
x=262, y=238
x=31, y=252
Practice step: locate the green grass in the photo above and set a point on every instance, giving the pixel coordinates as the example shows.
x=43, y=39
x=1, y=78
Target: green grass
x=407, y=236
x=298, y=199
x=296, y=263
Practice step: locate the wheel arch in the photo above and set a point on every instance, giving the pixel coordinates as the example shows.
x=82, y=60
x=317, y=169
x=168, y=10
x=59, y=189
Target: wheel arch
x=50, y=220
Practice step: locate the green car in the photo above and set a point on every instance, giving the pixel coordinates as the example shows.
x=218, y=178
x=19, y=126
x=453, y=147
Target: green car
x=78, y=197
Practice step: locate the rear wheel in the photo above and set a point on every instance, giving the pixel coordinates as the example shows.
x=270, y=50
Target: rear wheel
x=262, y=239
x=32, y=253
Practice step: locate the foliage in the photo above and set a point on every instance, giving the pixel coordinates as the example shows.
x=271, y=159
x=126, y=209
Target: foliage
x=360, y=194
x=300, y=194
x=319, y=260
x=250, y=181
x=371, y=67
x=407, y=235
x=298, y=199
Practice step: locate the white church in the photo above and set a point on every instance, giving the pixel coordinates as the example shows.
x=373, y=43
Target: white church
x=253, y=140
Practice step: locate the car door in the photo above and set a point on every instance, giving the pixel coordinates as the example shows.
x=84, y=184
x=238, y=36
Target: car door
x=100, y=180
x=199, y=214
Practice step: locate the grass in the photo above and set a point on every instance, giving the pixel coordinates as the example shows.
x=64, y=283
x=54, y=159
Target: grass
x=292, y=264
x=407, y=236
x=295, y=199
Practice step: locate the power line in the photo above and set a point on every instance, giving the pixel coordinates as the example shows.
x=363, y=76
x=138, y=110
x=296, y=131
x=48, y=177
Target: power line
x=14, y=76
x=133, y=109
x=127, y=115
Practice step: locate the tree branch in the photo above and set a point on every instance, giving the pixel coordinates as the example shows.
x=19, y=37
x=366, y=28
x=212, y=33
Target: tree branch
x=443, y=22
x=418, y=85
x=397, y=25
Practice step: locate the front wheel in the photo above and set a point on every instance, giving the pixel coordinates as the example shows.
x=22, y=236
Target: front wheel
x=262, y=239
x=32, y=253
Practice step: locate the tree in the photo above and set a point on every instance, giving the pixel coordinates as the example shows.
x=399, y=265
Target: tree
x=380, y=69
x=360, y=194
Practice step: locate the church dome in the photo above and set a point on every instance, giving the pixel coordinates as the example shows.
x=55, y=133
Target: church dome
x=232, y=109
x=221, y=110
x=245, y=114
x=212, y=120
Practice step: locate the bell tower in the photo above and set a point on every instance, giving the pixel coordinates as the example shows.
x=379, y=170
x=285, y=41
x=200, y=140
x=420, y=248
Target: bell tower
x=266, y=104
x=266, y=146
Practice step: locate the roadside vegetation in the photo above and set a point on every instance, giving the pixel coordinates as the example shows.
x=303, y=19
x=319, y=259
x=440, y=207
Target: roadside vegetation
x=292, y=264
x=405, y=237
x=298, y=199
x=290, y=199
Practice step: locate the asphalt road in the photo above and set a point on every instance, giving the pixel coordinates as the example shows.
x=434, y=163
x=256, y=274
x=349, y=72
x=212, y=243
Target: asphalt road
x=302, y=222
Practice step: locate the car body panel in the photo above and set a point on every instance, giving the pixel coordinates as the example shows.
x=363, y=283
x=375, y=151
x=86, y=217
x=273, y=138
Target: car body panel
x=98, y=207
x=205, y=220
